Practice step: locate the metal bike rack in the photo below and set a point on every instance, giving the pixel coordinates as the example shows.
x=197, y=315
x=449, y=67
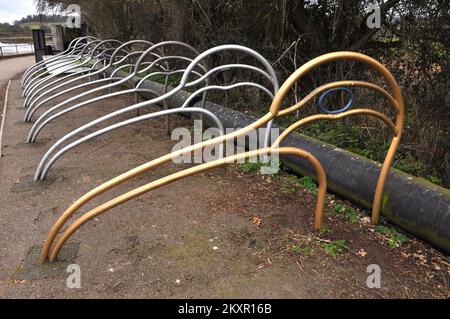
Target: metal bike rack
x=58, y=68
x=47, y=162
x=73, y=45
x=99, y=58
x=43, y=120
x=78, y=75
x=34, y=107
x=54, y=68
x=275, y=111
x=102, y=46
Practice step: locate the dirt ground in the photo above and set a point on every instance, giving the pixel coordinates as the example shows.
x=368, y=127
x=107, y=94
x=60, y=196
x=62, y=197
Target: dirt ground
x=226, y=233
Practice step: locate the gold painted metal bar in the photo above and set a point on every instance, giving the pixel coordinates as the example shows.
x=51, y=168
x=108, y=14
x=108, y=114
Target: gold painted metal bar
x=195, y=170
x=396, y=94
x=137, y=171
x=317, y=117
x=157, y=162
x=395, y=99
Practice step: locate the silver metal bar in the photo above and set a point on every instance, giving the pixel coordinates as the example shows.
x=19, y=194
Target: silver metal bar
x=101, y=71
x=72, y=45
x=36, y=88
x=87, y=50
x=78, y=56
x=105, y=130
x=273, y=80
x=32, y=110
x=83, y=74
x=42, y=121
x=64, y=65
x=127, y=78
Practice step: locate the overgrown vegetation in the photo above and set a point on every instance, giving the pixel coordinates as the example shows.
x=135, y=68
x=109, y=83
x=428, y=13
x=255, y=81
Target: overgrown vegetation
x=412, y=42
x=346, y=211
x=394, y=238
x=335, y=247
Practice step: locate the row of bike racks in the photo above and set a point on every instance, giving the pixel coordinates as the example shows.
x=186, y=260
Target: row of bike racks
x=106, y=58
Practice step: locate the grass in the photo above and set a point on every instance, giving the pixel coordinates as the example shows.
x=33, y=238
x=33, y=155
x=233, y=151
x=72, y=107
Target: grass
x=249, y=167
x=289, y=183
x=336, y=247
x=347, y=211
x=352, y=138
x=309, y=184
x=325, y=230
x=302, y=250
x=395, y=238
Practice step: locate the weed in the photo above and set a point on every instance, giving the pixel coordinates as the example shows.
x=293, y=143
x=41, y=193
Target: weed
x=335, y=247
x=302, y=250
x=351, y=214
x=249, y=167
x=308, y=183
x=347, y=211
x=395, y=238
x=289, y=183
x=325, y=230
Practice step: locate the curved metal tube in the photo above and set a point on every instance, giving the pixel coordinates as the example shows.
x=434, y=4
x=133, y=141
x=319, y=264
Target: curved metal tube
x=30, y=111
x=68, y=52
x=45, y=70
x=42, y=171
x=84, y=74
x=168, y=157
x=35, y=82
x=343, y=109
x=318, y=117
x=42, y=120
x=78, y=76
x=40, y=86
x=38, y=64
x=123, y=80
x=71, y=47
x=141, y=118
x=182, y=83
x=56, y=70
x=90, y=55
x=195, y=170
x=396, y=100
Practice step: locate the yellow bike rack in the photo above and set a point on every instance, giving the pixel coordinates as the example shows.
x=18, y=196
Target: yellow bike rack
x=396, y=127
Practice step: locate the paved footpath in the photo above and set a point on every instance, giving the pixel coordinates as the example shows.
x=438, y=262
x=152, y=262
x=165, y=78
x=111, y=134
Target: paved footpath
x=10, y=67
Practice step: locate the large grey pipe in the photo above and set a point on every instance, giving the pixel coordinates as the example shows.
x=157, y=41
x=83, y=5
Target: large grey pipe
x=415, y=205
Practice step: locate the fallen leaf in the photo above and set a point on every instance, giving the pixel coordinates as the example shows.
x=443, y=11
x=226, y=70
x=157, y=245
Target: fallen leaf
x=362, y=253
x=257, y=221
x=436, y=266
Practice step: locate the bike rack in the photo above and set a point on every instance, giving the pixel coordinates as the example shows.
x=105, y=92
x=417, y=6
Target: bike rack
x=33, y=108
x=73, y=46
x=67, y=65
x=78, y=75
x=47, y=162
x=99, y=58
x=43, y=120
x=395, y=99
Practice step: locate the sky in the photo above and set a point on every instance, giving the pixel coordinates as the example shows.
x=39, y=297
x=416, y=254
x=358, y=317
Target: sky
x=11, y=10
